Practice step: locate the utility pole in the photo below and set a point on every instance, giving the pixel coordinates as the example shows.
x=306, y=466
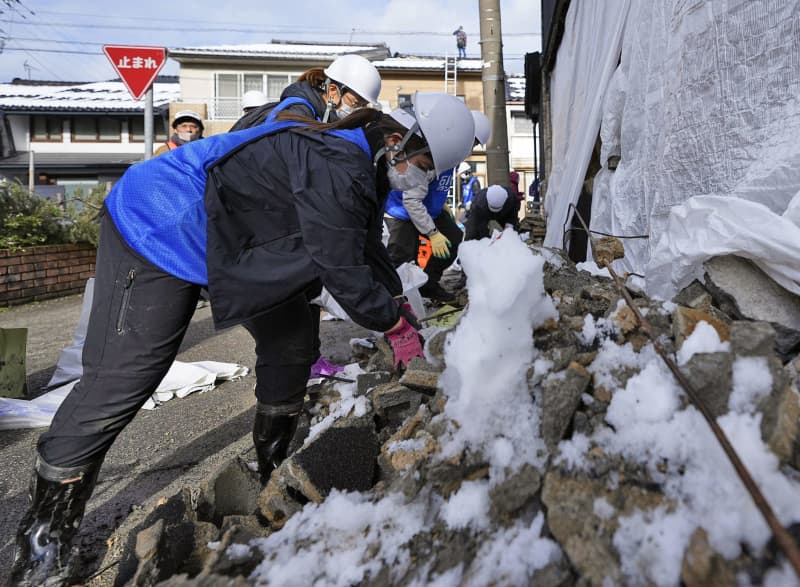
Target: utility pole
x=494, y=92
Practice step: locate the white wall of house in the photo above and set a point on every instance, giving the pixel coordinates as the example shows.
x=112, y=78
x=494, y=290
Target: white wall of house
x=20, y=130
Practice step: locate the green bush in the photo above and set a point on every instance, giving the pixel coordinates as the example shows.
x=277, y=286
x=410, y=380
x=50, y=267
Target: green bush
x=27, y=220
x=84, y=214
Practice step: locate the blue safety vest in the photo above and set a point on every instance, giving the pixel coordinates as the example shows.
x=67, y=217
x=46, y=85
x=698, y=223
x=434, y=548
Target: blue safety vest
x=438, y=190
x=158, y=205
x=466, y=191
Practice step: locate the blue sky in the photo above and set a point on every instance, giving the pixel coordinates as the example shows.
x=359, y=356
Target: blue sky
x=62, y=39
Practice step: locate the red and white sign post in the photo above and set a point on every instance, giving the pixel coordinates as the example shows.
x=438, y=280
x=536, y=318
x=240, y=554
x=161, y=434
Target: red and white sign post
x=138, y=68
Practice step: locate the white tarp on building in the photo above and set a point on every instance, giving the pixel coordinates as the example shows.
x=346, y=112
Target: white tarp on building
x=703, y=112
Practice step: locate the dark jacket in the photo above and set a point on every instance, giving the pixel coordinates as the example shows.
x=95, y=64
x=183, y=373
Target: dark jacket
x=297, y=89
x=479, y=216
x=292, y=211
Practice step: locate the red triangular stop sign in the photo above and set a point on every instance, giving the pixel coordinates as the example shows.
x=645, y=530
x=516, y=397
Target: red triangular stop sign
x=137, y=66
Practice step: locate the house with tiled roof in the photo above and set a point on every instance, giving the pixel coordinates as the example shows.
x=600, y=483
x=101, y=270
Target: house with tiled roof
x=73, y=133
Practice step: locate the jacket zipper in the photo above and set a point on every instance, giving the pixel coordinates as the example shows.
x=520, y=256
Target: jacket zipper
x=126, y=296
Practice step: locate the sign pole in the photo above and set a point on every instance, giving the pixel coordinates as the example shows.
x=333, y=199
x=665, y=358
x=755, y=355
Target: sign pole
x=138, y=68
x=148, y=123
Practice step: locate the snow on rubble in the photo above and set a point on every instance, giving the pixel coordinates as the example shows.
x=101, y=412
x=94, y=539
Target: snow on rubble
x=553, y=447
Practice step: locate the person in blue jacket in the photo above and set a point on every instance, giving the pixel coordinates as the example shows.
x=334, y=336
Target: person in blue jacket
x=262, y=217
x=420, y=209
x=470, y=185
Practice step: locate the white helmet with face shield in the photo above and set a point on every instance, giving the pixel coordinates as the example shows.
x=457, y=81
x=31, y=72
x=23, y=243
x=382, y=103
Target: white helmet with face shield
x=444, y=122
x=483, y=129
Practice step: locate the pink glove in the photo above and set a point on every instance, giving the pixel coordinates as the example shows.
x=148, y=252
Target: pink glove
x=407, y=312
x=406, y=343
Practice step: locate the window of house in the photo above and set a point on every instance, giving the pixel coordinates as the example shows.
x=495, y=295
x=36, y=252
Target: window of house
x=403, y=100
x=276, y=85
x=252, y=81
x=136, y=130
x=227, y=96
x=101, y=128
x=521, y=124
x=47, y=128
x=230, y=87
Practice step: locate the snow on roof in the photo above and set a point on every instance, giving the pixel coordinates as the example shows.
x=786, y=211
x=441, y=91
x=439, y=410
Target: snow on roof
x=421, y=62
x=95, y=96
x=282, y=50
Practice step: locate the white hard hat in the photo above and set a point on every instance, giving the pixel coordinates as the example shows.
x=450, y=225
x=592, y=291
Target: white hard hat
x=445, y=123
x=253, y=99
x=483, y=129
x=191, y=114
x=356, y=73
x=464, y=167
x=496, y=196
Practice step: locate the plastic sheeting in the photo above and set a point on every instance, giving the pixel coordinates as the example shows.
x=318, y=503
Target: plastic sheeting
x=587, y=57
x=181, y=380
x=704, y=114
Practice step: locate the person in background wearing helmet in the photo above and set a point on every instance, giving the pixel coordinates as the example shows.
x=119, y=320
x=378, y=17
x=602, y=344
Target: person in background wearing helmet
x=284, y=209
x=187, y=126
x=420, y=209
x=253, y=99
x=349, y=83
x=495, y=206
x=470, y=185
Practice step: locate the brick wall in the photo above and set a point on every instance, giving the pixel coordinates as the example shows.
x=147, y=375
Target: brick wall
x=40, y=273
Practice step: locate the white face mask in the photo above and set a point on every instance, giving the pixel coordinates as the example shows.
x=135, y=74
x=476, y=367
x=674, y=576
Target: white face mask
x=346, y=110
x=412, y=178
x=188, y=136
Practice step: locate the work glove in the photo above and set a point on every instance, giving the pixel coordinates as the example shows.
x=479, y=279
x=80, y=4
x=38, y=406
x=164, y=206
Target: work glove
x=406, y=343
x=440, y=245
x=407, y=312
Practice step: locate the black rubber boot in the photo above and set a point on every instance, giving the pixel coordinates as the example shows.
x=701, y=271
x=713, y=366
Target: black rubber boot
x=273, y=430
x=44, y=553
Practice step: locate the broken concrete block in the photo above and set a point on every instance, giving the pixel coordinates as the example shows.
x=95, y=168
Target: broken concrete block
x=514, y=493
x=421, y=376
x=711, y=376
x=607, y=249
x=780, y=424
x=366, y=381
x=231, y=490
x=561, y=395
x=744, y=291
x=275, y=503
x=752, y=339
x=340, y=457
x=394, y=403
x=694, y=296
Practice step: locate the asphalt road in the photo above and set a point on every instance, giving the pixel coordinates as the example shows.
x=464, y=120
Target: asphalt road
x=178, y=444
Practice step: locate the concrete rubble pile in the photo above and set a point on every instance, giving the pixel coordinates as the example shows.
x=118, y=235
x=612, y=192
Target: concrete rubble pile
x=387, y=444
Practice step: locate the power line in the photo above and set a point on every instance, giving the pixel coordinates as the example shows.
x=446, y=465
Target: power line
x=259, y=30
x=279, y=28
